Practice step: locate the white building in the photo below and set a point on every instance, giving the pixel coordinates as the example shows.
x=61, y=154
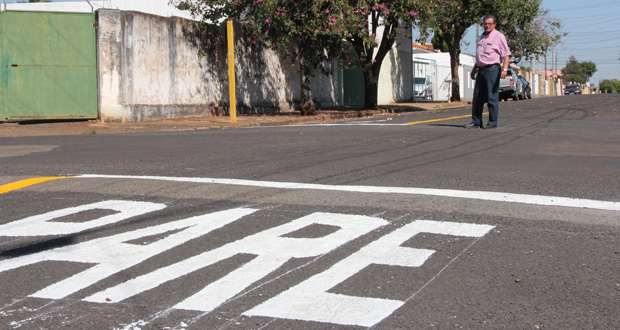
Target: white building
x=436, y=68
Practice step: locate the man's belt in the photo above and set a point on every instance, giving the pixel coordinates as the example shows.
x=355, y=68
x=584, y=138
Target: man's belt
x=488, y=66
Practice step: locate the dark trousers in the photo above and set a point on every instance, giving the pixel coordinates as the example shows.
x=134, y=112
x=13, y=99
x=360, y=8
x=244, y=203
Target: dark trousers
x=486, y=90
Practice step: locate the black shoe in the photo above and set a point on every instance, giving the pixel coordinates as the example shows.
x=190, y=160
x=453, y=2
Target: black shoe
x=490, y=127
x=472, y=125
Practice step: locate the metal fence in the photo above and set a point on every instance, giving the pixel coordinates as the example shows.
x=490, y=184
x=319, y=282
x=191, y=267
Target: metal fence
x=431, y=81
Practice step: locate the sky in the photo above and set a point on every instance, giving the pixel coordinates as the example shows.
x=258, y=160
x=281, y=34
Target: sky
x=593, y=35
x=592, y=30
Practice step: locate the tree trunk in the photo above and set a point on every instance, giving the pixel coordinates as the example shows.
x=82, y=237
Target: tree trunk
x=371, y=89
x=454, y=42
x=307, y=104
x=454, y=68
x=371, y=76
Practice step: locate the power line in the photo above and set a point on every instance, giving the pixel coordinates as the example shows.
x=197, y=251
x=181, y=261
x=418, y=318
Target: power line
x=597, y=16
x=588, y=6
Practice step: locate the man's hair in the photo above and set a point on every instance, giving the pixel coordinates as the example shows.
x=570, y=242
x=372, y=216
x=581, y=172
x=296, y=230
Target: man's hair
x=489, y=16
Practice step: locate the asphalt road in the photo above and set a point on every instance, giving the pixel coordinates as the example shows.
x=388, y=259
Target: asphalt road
x=407, y=222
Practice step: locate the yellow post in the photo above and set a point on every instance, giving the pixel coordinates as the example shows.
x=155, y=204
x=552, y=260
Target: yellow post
x=231, y=71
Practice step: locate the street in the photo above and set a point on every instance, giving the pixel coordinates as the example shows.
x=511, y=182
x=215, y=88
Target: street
x=401, y=222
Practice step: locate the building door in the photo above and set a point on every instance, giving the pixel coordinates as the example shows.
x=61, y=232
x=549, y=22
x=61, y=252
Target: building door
x=48, y=66
x=353, y=87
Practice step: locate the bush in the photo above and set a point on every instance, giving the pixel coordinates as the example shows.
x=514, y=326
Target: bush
x=610, y=86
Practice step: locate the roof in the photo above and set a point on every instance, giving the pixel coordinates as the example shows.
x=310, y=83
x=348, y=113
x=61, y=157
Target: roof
x=419, y=48
x=550, y=73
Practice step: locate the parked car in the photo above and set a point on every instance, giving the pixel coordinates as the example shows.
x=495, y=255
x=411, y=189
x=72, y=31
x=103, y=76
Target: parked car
x=571, y=89
x=527, y=89
x=510, y=87
x=422, y=88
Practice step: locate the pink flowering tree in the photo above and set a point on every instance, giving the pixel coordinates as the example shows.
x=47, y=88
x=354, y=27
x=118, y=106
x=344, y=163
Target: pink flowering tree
x=359, y=33
x=369, y=29
x=292, y=29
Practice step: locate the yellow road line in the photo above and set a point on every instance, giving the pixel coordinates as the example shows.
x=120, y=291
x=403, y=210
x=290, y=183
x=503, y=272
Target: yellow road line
x=25, y=183
x=440, y=119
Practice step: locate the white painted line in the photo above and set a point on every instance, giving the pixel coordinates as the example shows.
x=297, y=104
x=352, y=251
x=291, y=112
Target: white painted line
x=480, y=195
x=362, y=123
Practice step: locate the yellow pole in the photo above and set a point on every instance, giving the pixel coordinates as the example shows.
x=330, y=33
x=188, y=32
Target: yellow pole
x=231, y=71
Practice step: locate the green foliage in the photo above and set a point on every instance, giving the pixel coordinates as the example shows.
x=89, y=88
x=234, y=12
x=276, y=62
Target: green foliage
x=534, y=36
x=578, y=72
x=315, y=32
x=439, y=42
x=589, y=68
x=448, y=20
x=610, y=86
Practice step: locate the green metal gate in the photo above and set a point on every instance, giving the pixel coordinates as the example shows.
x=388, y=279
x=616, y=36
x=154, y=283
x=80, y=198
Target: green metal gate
x=352, y=87
x=48, y=66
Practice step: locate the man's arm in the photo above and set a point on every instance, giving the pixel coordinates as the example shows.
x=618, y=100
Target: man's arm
x=505, y=66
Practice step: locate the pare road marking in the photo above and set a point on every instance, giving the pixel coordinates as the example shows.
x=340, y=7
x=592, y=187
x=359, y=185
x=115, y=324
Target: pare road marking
x=271, y=248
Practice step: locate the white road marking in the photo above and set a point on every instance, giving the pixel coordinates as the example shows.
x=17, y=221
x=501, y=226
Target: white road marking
x=479, y=195
x=361, y=123
x=310, y=300
x=42, y=225
x=113, y=254
x=272, y=250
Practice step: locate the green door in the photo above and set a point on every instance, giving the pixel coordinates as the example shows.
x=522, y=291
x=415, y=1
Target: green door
x=352, y=87
x=48, y=66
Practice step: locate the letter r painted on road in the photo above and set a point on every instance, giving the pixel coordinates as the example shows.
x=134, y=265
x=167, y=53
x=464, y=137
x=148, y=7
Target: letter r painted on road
x=272, y=248
x=310, y=300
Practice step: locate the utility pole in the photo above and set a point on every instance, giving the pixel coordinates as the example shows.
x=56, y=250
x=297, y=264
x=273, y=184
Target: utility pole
x=545, y=75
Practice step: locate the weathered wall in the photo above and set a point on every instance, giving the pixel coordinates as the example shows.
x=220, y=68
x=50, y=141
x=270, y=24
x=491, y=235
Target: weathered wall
x=149, y=69
x=396, y=78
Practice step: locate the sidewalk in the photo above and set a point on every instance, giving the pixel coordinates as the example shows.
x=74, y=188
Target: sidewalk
x=47, y=128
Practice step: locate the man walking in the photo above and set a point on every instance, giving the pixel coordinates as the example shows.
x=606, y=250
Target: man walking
x=492, y=60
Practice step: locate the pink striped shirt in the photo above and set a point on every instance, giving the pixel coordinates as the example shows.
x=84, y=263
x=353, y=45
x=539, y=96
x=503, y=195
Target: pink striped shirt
x=492, y=48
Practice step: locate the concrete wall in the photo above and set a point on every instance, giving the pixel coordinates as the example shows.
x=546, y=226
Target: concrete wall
x=149, y=69
x=396, y=75
x=396, y=78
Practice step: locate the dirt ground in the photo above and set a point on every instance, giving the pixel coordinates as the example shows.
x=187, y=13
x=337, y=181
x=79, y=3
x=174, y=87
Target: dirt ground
x=76, y=127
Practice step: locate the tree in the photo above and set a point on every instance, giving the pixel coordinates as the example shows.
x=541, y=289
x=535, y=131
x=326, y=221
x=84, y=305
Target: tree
x=610, y=86
x=371, y=28
x=536, y=37
x=579, y=72
x=589, y=68
x=358, y=32
x=292, y=29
